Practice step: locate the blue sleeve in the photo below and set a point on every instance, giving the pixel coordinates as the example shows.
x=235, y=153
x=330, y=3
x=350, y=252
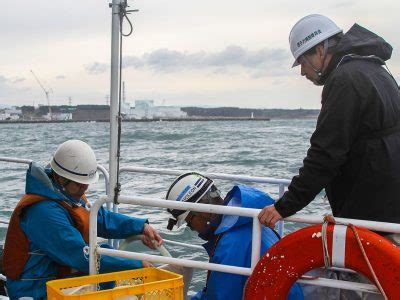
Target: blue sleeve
x=234, y=249
x=111, y=225
x=50, y=228
x=224, y=285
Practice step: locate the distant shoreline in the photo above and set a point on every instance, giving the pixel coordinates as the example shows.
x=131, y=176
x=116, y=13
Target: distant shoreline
x=136, y=120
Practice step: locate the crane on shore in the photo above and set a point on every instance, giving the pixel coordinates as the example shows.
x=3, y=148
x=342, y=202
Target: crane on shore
x=47, y=92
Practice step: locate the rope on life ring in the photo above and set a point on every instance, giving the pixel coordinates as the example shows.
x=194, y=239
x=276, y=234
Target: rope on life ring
x=303, y=250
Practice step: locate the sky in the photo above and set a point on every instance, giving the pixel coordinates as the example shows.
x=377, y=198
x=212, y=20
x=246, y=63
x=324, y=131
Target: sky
x=181, y=53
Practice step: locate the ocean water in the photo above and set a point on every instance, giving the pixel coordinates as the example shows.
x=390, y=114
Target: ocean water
x=273, y=148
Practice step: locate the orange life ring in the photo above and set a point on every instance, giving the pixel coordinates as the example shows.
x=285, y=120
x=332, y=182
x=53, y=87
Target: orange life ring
x=302, y=251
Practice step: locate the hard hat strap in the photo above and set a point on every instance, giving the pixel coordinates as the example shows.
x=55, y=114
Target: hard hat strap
x=171, y=223
x=69, y=171
x=320, y=72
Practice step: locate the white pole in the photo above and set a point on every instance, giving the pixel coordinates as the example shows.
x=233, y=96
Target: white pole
x=240, y=178
x=280, y=225
x=16, y=160
x=177, y=261
x=198, y=247
x=256, y=243
x=94, y=209
x=114, y=92
x=250, y=212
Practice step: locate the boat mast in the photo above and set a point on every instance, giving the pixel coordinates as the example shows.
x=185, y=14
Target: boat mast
x=114, y=95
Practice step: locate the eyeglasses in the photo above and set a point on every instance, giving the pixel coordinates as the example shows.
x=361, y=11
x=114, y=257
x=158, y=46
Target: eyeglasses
x=211, y=194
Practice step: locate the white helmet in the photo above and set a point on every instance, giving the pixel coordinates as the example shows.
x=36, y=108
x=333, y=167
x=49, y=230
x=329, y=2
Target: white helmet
x=309, y=32
x=188, y=187
x=76, y=161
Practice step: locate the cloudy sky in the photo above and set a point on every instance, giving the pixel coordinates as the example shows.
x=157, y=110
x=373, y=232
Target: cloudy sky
x=183, y=52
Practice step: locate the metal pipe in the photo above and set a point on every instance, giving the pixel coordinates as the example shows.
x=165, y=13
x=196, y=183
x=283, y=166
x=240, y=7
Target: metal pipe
x=215, y=267
x=114, y=94
x=340, y=284
x=281, y=223
x=224, y=176
x=16, y=160
x=200, y=207
x=250, y=212
x=234, y=270
x=109, y=205
x=176, y=261
x=106, y=177
x=93, y=234
x=198, y=247
x=114, y=97
x=255, y=243
x=371, y=225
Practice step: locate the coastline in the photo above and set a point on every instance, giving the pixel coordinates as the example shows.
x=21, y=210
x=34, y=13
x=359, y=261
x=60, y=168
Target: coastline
x=136, y=120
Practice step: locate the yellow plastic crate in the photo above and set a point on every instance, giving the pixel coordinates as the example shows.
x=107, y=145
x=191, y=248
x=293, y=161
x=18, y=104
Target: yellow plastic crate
x=139, y=284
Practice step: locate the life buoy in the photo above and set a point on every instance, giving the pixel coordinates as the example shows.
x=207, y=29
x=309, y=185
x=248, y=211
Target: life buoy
x=302, y=251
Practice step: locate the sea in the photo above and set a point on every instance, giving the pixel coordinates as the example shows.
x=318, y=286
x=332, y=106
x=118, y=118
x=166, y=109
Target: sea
x=274, y=148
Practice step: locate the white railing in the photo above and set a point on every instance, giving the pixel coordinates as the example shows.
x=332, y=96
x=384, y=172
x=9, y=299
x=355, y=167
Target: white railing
x=28, y=161
x=282, y=183
x=253, y=213
x=215, y=209
x=184, y=206
x=15, y=160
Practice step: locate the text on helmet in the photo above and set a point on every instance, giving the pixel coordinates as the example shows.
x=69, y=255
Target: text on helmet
x=308, y=37
x=186, y=193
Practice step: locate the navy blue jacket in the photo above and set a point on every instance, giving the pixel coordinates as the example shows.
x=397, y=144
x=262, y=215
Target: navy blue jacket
x=355, y=148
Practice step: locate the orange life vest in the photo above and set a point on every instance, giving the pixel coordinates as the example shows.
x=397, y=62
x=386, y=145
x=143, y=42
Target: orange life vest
x=16, y=248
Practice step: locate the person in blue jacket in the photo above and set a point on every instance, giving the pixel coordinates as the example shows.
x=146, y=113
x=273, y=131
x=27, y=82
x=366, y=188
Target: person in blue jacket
x=49, y=228
x=228, y=238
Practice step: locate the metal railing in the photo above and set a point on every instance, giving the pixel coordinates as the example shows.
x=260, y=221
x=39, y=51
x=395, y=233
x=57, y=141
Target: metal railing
x=215, y=209
x=282, y=183
x=28, y=161
x=253, y=213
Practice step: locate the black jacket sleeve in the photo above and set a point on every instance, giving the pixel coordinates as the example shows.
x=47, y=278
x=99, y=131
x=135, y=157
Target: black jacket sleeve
x=336, y=129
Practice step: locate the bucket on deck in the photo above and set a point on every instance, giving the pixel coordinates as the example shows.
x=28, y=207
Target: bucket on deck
x=139, y=284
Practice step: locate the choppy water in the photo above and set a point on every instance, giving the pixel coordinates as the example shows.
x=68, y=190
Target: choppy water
x=273, y=148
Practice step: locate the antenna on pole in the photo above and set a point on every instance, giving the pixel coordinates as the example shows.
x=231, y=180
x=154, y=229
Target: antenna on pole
x=47, y=92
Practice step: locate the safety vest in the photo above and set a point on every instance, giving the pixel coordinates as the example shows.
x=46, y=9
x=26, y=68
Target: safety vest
x=16, y=248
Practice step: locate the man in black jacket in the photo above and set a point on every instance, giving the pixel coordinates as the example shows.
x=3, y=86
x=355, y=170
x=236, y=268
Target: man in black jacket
x=355, y=148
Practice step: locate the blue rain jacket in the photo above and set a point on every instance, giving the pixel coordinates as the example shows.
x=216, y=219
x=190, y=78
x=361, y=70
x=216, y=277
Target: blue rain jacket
x=53, y=237
x=234, y=247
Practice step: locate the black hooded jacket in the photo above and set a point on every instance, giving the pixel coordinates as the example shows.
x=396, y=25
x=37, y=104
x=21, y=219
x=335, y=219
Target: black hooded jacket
x=355, y=148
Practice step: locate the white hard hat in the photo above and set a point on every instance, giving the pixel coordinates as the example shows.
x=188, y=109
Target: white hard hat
x=188, y=187
x=76, y=161
x=309, y=32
